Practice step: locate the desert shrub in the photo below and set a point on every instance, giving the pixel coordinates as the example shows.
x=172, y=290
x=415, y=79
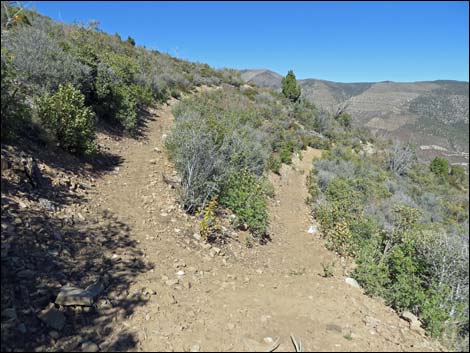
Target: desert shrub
x=406, y=230
x=41, y=62
x=439, y=166
x=274, y=164
x=400, y=158
x=245, y=194
x=345, y=120
x=458, y=176
x=286, y=153
x=210, y=227
x=14, y=111
x=65, y=115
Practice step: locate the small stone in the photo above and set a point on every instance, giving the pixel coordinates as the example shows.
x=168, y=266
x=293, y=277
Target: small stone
x=195, y=348
x=313, y=229
x=180, y=273
x=411, y=318
x=52, y=317
x=156, y=149
x=371, y=322
x=89, y=346
x=153, y=161
x=69, y=296
x=46, y=204
x=334, y=328
x=268, y=340
x=352, y=282
x=197, y=236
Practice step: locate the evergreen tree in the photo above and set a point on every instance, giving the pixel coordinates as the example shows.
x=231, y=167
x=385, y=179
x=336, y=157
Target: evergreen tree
x=290, y=88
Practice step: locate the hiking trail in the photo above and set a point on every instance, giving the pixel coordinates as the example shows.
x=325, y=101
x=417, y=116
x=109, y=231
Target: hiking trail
x=201, y=301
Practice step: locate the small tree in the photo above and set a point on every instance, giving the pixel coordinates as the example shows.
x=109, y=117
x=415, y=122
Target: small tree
x=440, y=166
x=290, y=88
x=131, y=41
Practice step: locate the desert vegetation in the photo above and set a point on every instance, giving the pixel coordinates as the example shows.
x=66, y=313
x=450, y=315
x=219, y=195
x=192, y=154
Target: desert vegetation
x=112, y=79
x=405, y=224
x=224, y=141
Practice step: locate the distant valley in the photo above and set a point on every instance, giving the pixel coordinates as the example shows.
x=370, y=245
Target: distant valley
x=432, y=114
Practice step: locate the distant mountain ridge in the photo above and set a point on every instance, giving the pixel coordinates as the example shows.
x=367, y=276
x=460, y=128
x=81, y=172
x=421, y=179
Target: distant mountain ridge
x=433, y=114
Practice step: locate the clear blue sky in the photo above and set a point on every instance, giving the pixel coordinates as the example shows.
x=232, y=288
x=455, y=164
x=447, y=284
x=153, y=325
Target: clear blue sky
x=337, y=41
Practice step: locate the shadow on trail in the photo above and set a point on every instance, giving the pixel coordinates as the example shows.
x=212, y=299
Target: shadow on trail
x=43, y=249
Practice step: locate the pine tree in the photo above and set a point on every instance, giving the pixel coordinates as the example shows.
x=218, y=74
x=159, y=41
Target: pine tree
x=290, y=88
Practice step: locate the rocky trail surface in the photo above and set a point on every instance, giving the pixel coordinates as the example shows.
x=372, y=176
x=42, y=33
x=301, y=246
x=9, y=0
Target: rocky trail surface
x=144, y=281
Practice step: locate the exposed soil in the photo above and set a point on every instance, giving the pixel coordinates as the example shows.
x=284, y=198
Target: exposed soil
x=228, y=297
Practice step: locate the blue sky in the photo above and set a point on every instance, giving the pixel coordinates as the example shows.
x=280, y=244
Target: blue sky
x=337, y=41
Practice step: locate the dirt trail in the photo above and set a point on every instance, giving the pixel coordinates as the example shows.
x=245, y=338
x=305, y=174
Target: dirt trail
x=234, y=302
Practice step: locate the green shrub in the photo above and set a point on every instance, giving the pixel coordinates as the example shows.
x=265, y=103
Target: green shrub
x=286, y=153
x=458, y=175
x=245, y=194
x=440, y=166
x=65, y=115
x=274, y=164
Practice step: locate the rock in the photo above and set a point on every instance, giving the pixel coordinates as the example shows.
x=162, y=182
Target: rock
x=89, y=346
x=32, y=171
x=334, y=328
x=195, y=348
x=69, y=296
x=180, y=273
x=52, y=317
x=371, y=322
x=46, y=204
x=313, y=229
x=411, y=318
x=156, y=149
x=415, y=324
x=153, y=161
x=197, y=236
x=352, y=282
x=214, y=251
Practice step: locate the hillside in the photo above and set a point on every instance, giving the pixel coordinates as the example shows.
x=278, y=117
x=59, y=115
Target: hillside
x=155, y=204
x=432, y=114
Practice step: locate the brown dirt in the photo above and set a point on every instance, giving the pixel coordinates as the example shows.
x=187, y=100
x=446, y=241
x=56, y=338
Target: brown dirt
x=233, y=302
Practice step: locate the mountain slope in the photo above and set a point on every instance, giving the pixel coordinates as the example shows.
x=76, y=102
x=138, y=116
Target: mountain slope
x=433, y=114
